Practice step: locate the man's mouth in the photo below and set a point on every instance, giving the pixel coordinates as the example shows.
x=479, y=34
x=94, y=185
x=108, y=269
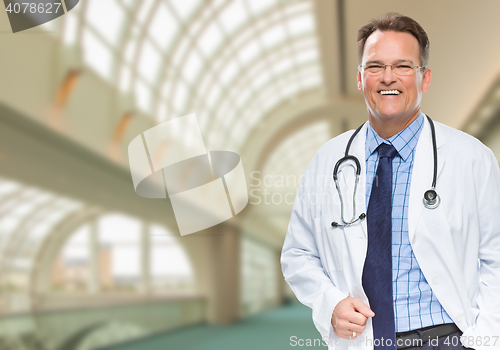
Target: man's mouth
x=390, y=92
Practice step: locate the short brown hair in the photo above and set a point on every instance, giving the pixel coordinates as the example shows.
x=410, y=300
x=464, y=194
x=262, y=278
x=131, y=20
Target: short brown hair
x=396, y=23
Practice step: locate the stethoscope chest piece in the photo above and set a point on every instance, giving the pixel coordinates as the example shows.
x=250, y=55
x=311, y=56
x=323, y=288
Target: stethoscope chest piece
x=431, y=199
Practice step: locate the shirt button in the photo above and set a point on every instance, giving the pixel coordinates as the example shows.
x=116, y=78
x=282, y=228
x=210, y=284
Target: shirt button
x=414, y=239
x=435, y=280
x=459, y=317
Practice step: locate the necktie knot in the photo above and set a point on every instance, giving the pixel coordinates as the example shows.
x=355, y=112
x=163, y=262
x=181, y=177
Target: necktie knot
x=386, y=151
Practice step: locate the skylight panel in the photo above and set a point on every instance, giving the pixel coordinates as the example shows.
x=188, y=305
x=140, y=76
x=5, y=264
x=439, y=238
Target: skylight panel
x=7, y=187
x=70, y=28
x=297, y=7
x=161, y=114
x=311, y=81
x=125, y=79
x=301, y=25
x=243, y=98
x=128, y=3
x=249, y=52
x=8, y=224
x=192, y=67
x=163, y=27
x=273, y=35
x=181, y=94
x=165, y=89
x=270, y=103
x=306, y=56
x=180, y=50
x=143, y=96
x=144, y=10
x=213, y=96
x=184, y=8
x=130, y=50
x=149, y=62
x=210, y=40
x=23, y=208
x=233, y=16
x=258, y=6
x=283, y=65
x=228, y=72
x=40, y=230
x=289, y=90
x=106, y=17
x=97, y=55
x=261, y=80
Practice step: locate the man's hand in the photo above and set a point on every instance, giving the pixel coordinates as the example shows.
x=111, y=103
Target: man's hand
x=350, y=315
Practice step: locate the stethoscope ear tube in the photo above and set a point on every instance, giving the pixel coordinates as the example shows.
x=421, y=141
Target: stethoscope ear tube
x=342, y=160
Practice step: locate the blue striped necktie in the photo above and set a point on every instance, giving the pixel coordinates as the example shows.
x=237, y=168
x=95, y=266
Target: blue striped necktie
x=377, y=272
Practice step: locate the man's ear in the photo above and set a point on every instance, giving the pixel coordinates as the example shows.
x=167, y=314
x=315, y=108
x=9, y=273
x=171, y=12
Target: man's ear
x=426, y=80
x=359, y=81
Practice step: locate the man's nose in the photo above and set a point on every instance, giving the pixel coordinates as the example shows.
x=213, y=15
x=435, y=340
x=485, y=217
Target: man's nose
x=388, y=75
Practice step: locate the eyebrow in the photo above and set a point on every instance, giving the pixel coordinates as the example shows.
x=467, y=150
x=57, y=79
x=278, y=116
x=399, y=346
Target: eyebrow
x=395, y=62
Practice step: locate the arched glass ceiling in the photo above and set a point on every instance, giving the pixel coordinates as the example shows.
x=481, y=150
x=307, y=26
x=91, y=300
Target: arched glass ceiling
x=229, y=61
x=27, y=217
x=289, y=160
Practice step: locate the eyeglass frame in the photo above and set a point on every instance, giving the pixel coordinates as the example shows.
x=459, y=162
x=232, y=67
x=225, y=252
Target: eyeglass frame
x=384, y=66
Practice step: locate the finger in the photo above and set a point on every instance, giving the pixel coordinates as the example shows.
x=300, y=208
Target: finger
x=346, y=334
x=357, y=318
x=362, y=308
x=345, y=325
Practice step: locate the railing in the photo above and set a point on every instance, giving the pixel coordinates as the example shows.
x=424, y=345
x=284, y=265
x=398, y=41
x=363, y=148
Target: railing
x=65, y=329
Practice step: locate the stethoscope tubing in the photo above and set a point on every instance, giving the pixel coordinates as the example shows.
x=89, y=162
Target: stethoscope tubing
x=431, y=199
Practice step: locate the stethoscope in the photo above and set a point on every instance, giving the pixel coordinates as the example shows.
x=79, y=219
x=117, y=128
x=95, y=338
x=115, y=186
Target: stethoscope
x=431, y=198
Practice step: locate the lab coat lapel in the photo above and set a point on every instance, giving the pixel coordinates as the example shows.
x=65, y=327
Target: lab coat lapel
x=422, y=174
x=355, y=234
x=358, y=150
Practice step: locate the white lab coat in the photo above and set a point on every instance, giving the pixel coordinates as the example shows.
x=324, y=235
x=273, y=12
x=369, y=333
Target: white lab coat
x=323, y=265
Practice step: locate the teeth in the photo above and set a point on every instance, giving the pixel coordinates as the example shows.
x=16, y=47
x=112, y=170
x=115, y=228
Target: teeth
x=390, y=92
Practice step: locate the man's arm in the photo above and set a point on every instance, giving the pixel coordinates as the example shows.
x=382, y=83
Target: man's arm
x=487, y=179
x=303, y=270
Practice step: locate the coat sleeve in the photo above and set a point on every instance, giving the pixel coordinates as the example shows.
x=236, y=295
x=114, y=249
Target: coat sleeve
x=487, y=180
x=301, y=262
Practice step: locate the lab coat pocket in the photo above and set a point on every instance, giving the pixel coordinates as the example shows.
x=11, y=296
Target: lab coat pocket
x=329, y=243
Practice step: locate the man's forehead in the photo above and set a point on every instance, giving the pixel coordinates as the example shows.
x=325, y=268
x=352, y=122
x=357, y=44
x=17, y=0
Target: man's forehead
x=391, y=45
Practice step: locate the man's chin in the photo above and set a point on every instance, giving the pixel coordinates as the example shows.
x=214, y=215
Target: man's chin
x=389, y=114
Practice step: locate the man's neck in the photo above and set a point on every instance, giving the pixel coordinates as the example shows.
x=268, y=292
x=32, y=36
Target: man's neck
x=389, y=128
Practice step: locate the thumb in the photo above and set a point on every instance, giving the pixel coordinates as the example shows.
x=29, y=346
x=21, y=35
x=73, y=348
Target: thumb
x=362, y=308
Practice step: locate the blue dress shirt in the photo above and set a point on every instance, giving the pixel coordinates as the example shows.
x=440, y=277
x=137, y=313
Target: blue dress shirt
x=415, y=305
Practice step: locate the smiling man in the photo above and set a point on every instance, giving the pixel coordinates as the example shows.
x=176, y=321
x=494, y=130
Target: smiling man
x=399, y=250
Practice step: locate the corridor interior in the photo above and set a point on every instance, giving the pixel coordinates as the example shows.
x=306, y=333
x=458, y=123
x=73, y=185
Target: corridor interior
x=85, y=262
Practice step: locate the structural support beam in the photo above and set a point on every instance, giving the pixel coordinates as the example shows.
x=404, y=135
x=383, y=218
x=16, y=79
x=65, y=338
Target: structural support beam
x=330, y=44
x=145, y=263
x=93, y=276
x=217, y=260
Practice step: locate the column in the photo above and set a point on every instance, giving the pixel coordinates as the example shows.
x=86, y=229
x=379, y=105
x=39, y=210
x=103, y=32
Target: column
x=93, y=285
x=145, y=260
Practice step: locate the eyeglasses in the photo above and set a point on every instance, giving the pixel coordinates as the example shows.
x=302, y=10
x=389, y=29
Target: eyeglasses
x=398, y=69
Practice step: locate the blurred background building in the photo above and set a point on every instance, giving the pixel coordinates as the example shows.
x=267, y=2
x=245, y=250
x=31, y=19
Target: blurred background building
x=86, y=263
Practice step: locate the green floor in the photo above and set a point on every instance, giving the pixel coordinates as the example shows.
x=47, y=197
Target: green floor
x=270, y=330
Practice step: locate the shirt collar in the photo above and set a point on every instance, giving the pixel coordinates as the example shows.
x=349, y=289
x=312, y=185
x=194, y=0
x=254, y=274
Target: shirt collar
x=404, y=141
